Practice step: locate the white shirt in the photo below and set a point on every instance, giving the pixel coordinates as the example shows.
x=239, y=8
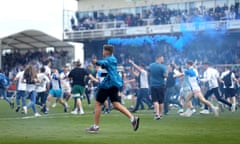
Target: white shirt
x=44, y=80
x=144, y=79
x=31, y=87
x=176, y=72
x=196, y=71
x=21, y=86
x=55, y=82
x=211, y=76
x=99, y=73
x=192, y=78
x=47, y=70
x=232, y=77
x=64, y=81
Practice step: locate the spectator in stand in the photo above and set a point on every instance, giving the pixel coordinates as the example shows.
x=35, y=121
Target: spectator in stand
x=73, y=24
x=36, y=58
x=161, y=14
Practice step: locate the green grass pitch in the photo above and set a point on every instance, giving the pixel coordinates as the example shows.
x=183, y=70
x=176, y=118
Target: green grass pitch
x=63, y=128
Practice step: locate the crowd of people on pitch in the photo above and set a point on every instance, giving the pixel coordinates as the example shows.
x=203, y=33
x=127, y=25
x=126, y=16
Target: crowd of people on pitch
x=175, y=85
x=155, y=15
x=178, y=92
x=40, y=86
x=39, y=83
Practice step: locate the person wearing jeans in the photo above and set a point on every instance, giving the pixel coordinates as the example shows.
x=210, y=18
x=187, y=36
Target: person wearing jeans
x=3, y=92
x=4, y=83
x=21, y=90
x=30, y=77
x=42, y=88
x=141, y=97
x=32, y=96
x=143, y=91
x=171, y=90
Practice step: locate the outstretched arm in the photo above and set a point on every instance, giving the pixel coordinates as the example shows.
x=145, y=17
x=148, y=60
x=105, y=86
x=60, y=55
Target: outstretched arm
x=93, y=78
x=134, y=65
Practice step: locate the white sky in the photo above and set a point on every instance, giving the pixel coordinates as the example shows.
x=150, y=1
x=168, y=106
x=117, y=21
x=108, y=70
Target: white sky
x=43, y=15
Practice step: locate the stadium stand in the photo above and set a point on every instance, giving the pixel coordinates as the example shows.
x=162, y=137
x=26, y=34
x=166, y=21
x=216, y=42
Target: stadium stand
x=30, y=46
x=212, y=22
x=134, y=18
x=154, y=15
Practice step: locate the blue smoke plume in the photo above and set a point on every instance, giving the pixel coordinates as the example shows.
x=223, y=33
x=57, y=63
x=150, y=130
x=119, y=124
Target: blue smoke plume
x=186, y=37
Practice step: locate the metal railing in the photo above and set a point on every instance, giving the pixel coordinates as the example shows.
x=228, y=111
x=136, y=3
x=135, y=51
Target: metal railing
x=111, y=29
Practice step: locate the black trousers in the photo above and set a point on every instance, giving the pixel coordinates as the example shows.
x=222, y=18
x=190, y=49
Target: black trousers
x=217, y=95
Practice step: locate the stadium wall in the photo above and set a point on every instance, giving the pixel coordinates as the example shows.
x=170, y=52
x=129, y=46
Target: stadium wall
x=91, y=5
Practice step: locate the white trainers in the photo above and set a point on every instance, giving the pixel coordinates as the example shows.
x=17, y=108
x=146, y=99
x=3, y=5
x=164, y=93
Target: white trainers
x=54, y=105
x=37, y=115
x=184, y=114
x=205, y=111
x=221, y=106
x=187, y=113
x=74, y=112
x=233, y=108
x=81, y=112
x=157, y=117
x=180, y=111
x=193, y=110
x=216, y=111
x=25, y=110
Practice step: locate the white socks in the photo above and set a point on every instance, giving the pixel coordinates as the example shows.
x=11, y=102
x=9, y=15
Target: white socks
x=95, y=126
x=132, y=118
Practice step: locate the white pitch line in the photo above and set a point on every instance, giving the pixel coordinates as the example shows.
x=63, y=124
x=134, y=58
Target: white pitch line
x=59, y=115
